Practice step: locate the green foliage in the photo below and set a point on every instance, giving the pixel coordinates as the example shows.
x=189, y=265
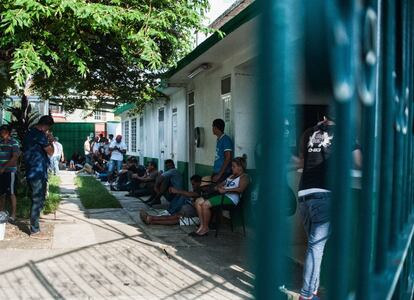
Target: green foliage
x=93, y=194
x=22, y=118
x=78, y=50
x=23, y=198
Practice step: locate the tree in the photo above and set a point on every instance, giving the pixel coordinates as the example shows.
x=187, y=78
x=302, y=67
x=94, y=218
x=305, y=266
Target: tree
x=78, y=50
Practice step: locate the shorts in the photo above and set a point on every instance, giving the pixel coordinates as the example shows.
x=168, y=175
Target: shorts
x=216, y=200
x=188, y=211
x=8, y=183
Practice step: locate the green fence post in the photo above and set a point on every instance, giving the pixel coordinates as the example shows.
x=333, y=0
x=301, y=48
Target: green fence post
x=277, y=74
x=386, y=95
x=371, y=125
x=342, y=22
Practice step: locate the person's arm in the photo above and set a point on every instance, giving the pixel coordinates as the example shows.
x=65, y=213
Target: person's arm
x=228, y=156
x=357, y=158
x=244, y=182
x=189, y=194
x=11, y=162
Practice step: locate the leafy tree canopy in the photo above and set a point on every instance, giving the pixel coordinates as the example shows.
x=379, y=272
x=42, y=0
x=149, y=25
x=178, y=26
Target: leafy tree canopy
x=78, y=50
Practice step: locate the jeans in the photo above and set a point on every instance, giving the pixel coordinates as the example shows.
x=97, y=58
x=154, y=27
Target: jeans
x=38, y=188
x=54, y=164
x=114, y=164
x=315, y=212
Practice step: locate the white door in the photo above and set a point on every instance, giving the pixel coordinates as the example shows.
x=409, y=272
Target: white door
x=161, y=137
x=191, y=143
x=141, y=141
x=174, y=136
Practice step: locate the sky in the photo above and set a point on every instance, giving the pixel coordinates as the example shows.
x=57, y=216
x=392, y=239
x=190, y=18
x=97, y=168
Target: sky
x=217, y=7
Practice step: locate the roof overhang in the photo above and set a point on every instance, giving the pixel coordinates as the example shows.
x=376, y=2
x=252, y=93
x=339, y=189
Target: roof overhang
x=212, y=51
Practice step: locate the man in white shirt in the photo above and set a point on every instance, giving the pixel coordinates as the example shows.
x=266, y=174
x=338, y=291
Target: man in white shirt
x=117, y=149
x=57, y=156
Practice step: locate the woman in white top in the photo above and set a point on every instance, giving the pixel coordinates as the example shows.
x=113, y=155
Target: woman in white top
x=231, y=188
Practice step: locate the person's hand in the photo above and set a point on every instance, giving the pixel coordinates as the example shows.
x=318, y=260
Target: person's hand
x=1, y=170
x=221, y=190
x=215, y=178
x=172, y=190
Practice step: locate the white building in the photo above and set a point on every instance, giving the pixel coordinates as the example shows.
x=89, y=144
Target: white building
x=214, y=81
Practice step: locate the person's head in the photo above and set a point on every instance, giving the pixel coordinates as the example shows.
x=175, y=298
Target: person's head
x=45, y=123
x=218, y=127
x=132, y=161
x=118, y=138
x=5, y=132
x=195, y=181
x=152, y=166
x=88, y=138
x=96, y=138
x=111, y=137
x=101, y=136
x=238, y=165
x=56, y=139
x=169, y=164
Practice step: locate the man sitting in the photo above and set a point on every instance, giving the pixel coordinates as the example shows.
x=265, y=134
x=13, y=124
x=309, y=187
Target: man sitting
x=170, y=178
x=181, y=206
x=143, y=185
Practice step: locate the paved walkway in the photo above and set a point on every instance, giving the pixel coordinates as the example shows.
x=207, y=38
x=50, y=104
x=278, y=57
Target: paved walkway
x=110, y=254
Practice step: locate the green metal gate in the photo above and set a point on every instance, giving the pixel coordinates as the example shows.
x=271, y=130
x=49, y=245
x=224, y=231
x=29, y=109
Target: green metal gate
x=360, y=53
x=72, y=136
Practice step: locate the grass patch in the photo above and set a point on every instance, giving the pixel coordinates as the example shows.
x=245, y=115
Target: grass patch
x=93, y=194
x=24, y=202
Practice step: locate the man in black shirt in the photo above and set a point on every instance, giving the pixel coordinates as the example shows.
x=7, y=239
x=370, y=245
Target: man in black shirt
x=314, y=198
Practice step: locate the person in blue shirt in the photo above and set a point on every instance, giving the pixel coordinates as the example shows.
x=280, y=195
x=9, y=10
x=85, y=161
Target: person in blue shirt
x=224, y=152
x=37, y=146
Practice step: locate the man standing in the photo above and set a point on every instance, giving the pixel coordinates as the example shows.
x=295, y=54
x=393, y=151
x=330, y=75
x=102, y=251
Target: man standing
x=314, y=197
x=57, y=157
x=117, y=149
x=87, y=149
x=37, y=145
x=9, y=153
x=224, y=152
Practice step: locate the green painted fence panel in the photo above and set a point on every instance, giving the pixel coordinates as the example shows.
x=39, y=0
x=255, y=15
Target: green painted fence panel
x=72, y=136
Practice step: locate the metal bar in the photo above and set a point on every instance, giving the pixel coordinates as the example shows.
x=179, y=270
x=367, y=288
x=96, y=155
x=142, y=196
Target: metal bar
x=370, y=141
x=342, y=20
x=386, y=93
x=278, y=77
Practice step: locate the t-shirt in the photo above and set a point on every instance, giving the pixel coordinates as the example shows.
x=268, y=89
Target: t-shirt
x=35, y=157
x=116, y=154
x=175, y=178
x=87, y=147
x=224, y=144
x=58, y=149
x=95, y=147
x=7, y=149
x=317, y=151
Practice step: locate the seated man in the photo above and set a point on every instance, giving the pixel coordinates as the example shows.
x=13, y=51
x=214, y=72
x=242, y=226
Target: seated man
x=170, y=178
x=143, y=185
x=122, y=182
x=181, y=206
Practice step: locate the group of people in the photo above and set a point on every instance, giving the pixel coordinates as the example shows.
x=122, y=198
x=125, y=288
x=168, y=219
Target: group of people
x=224, y=186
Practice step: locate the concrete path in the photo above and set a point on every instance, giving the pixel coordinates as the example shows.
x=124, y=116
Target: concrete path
x=110, y=254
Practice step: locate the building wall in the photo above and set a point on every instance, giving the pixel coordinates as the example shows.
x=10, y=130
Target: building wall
x=208, y=106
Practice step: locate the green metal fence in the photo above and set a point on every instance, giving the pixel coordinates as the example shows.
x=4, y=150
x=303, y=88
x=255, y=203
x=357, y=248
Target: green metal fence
x=72, y=136
x=360, y=54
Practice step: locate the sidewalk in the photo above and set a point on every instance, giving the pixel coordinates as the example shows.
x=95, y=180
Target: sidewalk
x=110, y=254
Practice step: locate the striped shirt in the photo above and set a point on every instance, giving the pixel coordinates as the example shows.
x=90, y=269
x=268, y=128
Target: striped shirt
x=7, y=148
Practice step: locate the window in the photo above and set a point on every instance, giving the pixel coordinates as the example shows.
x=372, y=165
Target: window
x=134, y=135
x=126, y=134
x=97, y=115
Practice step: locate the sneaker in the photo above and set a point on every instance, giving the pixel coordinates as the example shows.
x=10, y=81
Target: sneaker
x=12, y=220
x=40, y=235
